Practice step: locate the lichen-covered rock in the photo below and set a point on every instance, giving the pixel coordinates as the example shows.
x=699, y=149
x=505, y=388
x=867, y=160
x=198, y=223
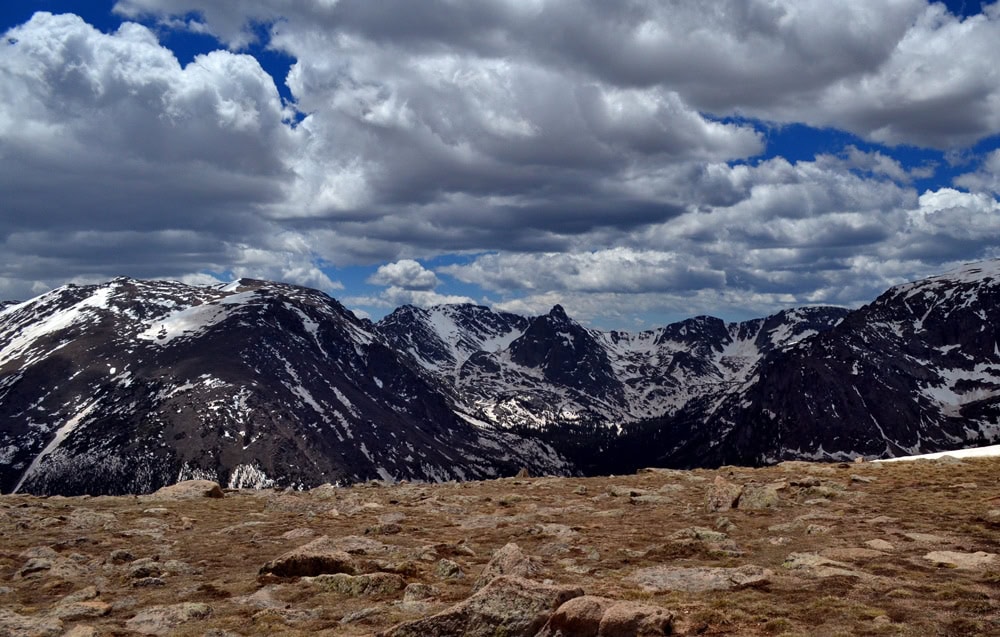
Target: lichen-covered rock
x=508, y=560
x=760, y=496
x=161, y=620
x=723, y=495
x=368, y=585
x=509, y=606
x=15, y=624
x=698, y=579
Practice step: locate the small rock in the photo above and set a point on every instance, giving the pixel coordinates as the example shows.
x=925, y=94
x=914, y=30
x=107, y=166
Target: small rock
x=82, y=631
x=758, y=497
x=390, y=528
x=723, y=495
x=508, y=560
x=395, y=517
x=189, y=489
x=416, y=592
x=156, y=511
x=146, y=567
x=862, y=479
x=818, y=566
x=315, y=558
x=149, y=582
x=298, y=534
x=82, y=595
x=580, y=490
x=979, y=560
x=881, y=519
x=448, y=569
x=659, y=500
x=851, y=554
x=818, y=529
x=926, y=538
x=358, y=615
x=120, y=556
x=161, y=620
x=699, y=533
x=880, y=545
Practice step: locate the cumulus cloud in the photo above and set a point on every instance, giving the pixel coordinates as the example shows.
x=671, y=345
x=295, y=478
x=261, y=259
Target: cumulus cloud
x=393, y=297
x=406, y=274
x=986, y=179
x=589, y=152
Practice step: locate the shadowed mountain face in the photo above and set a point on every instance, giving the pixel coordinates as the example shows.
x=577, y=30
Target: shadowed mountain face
x=130, y=385
x=917, y=370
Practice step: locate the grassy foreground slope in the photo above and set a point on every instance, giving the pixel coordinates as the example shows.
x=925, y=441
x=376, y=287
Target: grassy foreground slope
x=906, y=548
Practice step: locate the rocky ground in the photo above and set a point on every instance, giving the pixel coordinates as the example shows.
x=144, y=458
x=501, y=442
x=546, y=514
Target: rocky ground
x=797, y=549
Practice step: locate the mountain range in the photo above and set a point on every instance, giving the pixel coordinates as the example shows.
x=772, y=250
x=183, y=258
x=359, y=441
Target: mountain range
x=126, y=386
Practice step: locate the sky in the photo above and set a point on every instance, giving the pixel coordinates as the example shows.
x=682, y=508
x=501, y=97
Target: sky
x=637, y=162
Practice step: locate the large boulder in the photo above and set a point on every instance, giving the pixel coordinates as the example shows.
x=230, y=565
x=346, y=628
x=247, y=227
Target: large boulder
x=698, y=579
x=318, y=557
x=509, y=606
x=189, y=489
x=369, y=585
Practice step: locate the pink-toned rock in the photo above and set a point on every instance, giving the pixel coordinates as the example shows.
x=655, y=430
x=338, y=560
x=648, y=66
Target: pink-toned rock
x=590, y=616
x=632, y=619
x=579, y=617
x=724, y=495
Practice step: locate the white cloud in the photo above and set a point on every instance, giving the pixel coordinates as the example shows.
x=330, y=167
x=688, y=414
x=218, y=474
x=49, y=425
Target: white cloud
x=393, y=297
x=406, y=274
x=595, y=152
x=986, y=179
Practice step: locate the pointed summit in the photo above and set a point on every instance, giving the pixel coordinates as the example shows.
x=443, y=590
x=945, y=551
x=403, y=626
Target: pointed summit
x=557, y=312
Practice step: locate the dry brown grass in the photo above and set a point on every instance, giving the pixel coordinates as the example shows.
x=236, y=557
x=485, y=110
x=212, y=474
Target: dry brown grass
x=603, y=539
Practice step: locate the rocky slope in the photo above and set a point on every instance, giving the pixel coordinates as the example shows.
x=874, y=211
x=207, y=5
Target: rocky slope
x=550, y=371
x=917, y=370
x=127, y=386
x=797, y=549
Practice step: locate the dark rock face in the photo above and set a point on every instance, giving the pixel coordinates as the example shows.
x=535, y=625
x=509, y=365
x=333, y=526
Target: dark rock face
x=131, y=385
x=917, y=370
x=128, y=386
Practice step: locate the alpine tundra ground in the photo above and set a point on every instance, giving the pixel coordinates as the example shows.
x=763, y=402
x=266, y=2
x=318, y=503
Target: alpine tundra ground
x=797, y=549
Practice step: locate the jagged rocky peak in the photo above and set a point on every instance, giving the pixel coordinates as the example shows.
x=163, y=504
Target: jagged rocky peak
x=566, y=353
